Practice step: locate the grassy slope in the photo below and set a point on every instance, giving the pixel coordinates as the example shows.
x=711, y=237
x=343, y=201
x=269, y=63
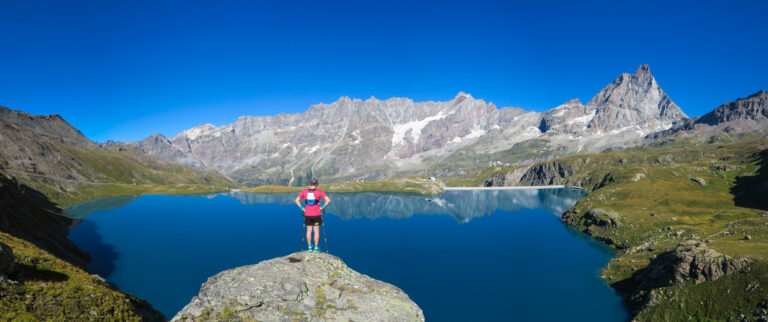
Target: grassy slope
x=121, y=170
x=645, y=181
x=49, y=288
x=413, y=184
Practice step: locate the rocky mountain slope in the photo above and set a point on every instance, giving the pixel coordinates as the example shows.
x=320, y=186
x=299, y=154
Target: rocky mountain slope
x=372, y=139
x=301, y=286
x=733, y=118
x=48, y=154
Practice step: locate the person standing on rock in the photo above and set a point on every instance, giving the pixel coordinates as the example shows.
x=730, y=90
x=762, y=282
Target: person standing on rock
x=312, y=211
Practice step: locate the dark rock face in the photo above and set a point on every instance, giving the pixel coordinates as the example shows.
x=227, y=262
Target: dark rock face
x=547, y=173
x=28, y=214
x=6, y=259
x=302, y=286
x=689, y=261
x=511, y=178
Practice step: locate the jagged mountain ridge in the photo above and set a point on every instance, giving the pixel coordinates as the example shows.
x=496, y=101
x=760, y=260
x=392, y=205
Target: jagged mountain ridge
x=740, y=116
x=355, y=139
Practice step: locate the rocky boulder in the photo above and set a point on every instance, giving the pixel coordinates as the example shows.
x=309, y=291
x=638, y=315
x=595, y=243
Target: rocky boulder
x=690, y=260
x=300, y=286
x=601, y=218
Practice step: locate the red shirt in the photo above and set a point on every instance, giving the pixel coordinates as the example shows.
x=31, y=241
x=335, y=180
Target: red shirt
x=318, y=195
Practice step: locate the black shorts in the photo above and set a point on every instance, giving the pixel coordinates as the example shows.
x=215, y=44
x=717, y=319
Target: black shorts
x=313, y=220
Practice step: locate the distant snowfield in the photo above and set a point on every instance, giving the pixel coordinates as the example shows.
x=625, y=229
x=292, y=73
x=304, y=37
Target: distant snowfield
x=415, y=127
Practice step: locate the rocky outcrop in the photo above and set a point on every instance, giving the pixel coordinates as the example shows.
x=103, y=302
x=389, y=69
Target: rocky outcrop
x=691, y=260
x=548, y=173
x=599, y=224
x=511, y=178
x=301, y=286
x=601, y=218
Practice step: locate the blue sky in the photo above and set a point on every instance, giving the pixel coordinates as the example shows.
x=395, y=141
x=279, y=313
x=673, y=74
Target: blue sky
x=124, y=70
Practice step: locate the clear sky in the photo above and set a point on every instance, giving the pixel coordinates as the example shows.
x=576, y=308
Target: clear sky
x=124, y=70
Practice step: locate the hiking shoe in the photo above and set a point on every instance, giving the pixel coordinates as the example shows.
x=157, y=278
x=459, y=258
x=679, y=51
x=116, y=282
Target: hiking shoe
x=309, y=247
x=317, y=249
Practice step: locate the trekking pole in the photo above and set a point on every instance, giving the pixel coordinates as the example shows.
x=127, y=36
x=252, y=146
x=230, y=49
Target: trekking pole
x=324, y=237
x=303, y=231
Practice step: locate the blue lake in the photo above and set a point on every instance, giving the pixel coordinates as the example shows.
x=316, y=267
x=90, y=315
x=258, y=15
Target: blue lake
x=461, y=256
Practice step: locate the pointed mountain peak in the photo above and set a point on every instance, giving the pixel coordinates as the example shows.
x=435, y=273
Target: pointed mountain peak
x=760, y=93
x=156, y=136
x=634, y=100
x=644, y=69
x=573, y=101
x=462, y=94
x=344, y=99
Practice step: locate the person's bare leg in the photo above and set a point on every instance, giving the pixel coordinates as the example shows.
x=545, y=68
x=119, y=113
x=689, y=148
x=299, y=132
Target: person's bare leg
x=309, y=235
x=317, y=235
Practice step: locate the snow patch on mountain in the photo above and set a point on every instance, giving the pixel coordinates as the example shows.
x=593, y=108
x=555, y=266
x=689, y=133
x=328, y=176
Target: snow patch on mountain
x=475, y=133
x=415, y=127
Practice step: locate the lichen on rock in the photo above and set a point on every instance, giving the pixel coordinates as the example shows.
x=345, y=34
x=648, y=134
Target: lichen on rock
x=301, y=286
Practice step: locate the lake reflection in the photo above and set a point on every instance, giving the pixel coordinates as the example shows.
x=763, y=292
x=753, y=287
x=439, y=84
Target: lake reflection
x=461, y=256
x=461, y=205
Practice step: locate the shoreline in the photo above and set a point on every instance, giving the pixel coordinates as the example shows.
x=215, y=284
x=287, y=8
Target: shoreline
x=508, y=188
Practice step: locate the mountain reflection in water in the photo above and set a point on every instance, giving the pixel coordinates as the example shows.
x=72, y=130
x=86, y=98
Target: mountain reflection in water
x=461, y=205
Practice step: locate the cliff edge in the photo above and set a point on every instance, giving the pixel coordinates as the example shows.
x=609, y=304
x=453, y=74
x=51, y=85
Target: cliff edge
x=301, y=286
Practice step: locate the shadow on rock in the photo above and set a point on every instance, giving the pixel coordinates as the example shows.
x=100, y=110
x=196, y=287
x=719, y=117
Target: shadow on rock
x=750, y=191
x=25, y=272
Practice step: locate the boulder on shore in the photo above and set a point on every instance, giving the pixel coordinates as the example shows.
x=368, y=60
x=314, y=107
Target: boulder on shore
x=301, y=286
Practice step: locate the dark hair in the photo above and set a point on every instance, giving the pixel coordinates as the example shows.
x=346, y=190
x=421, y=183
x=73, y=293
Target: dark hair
x=313, y=182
